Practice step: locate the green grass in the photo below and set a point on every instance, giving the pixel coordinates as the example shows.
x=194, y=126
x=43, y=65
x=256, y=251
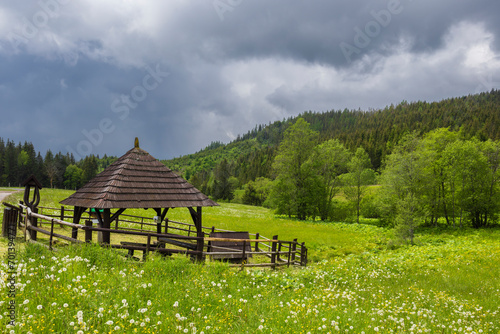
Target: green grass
x=447, y=283
x=324, y=240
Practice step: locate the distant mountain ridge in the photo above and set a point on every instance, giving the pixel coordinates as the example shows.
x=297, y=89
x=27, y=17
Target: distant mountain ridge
x=377, y=131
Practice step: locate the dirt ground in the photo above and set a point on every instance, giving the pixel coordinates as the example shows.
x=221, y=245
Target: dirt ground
x=4, y=194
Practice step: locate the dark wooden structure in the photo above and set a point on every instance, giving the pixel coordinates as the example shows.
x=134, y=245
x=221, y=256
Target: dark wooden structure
x=31, y=182
x=32, y=203
x=137, y=180
x=280, y=252
x=238, y=250
x=10, y=221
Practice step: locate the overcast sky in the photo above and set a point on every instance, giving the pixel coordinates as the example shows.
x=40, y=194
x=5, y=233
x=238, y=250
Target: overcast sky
x=89, y=76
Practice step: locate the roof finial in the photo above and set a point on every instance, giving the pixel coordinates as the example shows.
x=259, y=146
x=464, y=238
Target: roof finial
x=136, y=143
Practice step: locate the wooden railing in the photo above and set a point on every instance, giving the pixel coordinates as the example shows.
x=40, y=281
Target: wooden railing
x=280, y=253
x=143, y=222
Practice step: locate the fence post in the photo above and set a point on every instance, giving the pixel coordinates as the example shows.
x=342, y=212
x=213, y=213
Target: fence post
x=62, y=216
x=257, y=242
x=305, y=264
x=34, y=223
x=26, y=232
x=51, y=233
x=279, y=250
x=303, y=258
x=158, y=226
x=12, y=224
x=19, y=217
x=88, y=232
x=243, y=253
x=294, y=249
x=146, y=253
x=289, y=253
x=273, y=252
x=9, y=228
x=166, y=225
x=6, y=222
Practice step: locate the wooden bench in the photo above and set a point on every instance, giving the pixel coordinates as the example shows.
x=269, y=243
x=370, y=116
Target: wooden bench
x=233, y=249
x=182, y=244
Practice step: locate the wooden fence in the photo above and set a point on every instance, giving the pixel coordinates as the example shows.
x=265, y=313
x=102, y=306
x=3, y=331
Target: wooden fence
x=259, y=248
x=141, y=223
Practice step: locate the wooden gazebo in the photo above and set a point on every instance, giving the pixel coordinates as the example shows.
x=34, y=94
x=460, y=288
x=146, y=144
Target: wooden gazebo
x=137, y=180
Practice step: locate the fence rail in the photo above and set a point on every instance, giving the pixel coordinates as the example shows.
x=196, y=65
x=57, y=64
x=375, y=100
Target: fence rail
x=280, y=253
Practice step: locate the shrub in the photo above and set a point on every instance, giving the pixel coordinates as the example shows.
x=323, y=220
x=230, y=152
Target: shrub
x=369, y=207
x=342, y=211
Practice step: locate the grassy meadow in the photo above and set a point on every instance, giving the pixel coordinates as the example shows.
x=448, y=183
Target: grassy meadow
x=356, y=282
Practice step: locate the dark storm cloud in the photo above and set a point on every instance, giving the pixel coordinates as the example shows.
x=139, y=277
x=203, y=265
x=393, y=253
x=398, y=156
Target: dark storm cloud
x=84, y=72
x=313, y=31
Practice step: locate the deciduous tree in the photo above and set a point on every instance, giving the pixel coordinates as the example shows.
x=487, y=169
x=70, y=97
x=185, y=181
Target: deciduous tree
x=293, y=192
x=328, y=161
x=359, y=177
x=403, y=181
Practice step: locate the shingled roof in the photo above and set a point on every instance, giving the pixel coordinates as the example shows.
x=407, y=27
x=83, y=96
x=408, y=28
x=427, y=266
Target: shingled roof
x=137, y=180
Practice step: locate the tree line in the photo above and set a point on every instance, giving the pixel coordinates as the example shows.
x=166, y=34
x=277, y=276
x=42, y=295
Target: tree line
x=439, y=177
x=250, y=156
x=18, y=162
x=310, y=175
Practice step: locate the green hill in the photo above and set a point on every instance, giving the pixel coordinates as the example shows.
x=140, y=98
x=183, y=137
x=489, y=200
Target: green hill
x=377, y=131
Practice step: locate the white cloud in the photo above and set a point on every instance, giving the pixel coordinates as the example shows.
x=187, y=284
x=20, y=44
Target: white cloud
x=272, y=88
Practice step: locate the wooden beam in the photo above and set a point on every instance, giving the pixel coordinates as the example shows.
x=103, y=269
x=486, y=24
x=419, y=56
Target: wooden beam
x=164, y=213
x=88, y=232
x=158, y=223
x=33, y=222
x=117, y=214
x=106, y=236
x=196, y=216
x=77, y=214
x=178, y=243
x=99, y=218
x=41, y=230
x=273, y=252
x=161, y=215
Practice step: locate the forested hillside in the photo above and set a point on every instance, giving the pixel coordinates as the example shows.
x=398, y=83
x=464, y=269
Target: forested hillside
x=377, y=131
x=251, y=155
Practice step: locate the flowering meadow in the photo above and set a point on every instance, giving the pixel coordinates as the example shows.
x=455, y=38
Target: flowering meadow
x=88, y=289
x=448, y=283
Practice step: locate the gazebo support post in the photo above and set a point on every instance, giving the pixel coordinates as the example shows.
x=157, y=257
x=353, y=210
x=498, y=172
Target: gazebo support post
x=104, y=218
x=77, y=215
x=161, y=216
x=100, y=223
x=106, y=235
x=196, y=215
